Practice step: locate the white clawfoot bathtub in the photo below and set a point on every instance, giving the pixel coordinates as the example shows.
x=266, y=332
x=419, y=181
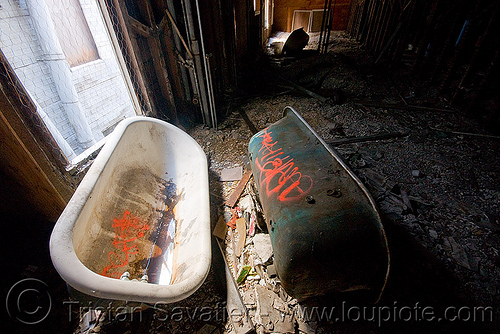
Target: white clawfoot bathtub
x=142, y=208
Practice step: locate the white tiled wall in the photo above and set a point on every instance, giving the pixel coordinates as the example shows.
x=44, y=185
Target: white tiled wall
x=100, y=86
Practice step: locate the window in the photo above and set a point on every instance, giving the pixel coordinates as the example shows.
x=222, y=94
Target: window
x=310, y=20
x=44, y=41
x=73, y=31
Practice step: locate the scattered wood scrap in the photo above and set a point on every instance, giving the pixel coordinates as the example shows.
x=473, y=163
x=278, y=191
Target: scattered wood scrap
x=470, y=134
x=220, y=229
x=248, y=122
x=402, y=107
x=306, y=91
x=242, y=232
x=231, y=201
x=361, y=139
x=297, y=87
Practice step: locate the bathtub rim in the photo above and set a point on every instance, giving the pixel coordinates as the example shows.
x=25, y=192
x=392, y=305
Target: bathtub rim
x=81, y=278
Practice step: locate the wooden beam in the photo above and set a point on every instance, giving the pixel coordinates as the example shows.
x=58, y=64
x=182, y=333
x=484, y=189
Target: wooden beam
x=233, y=198
x=30, y=155
x=142, y=29
x=163, y=24
x=469, y=134
x=149, y=13
x=361, y=139
x=161, y=71
x=253, y=129
x=402, y=106
x=131, y=45
x=157, y=54
x=20, y=165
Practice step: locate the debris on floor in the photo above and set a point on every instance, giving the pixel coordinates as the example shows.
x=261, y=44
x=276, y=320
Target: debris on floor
x=231, y=174
x=437, y=190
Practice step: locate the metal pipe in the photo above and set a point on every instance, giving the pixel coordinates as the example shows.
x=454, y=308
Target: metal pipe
x=211, y=92
x=197, y=99
x=177, y=40
x=197, y=72
x=323, y=20
x=178, y=32
x=475, y=55
x=330, y=25
x=209, y=85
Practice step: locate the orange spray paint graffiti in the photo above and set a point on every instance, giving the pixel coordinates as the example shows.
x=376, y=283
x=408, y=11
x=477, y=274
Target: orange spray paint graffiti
x=127, y=230
x=278, y=173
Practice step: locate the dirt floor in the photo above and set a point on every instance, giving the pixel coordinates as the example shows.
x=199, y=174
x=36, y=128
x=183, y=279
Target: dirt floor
x=437, y=187
x=436, y=183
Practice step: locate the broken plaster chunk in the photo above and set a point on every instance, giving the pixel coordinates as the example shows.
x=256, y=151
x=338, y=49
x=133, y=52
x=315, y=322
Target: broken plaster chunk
x=271, y=271
x=231, y=174
x=246, y=203
x=253, y=277
x=263, y=247
x=285, y=325
x=307, y=327
x=279, y=305
x=268, y=312
x=433, y=234
x=227, y=215
x=459, y=254
x=249, y=298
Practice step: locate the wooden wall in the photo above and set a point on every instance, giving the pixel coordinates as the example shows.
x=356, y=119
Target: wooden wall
x=283, y=12
x=453, y=44
x=33, y=179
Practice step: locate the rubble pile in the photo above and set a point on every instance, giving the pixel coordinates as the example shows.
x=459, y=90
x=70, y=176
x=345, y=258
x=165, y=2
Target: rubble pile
x=437, y=185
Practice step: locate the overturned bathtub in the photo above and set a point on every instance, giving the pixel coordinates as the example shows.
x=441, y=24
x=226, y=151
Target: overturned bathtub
x=326, y=233
x=138, y=227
